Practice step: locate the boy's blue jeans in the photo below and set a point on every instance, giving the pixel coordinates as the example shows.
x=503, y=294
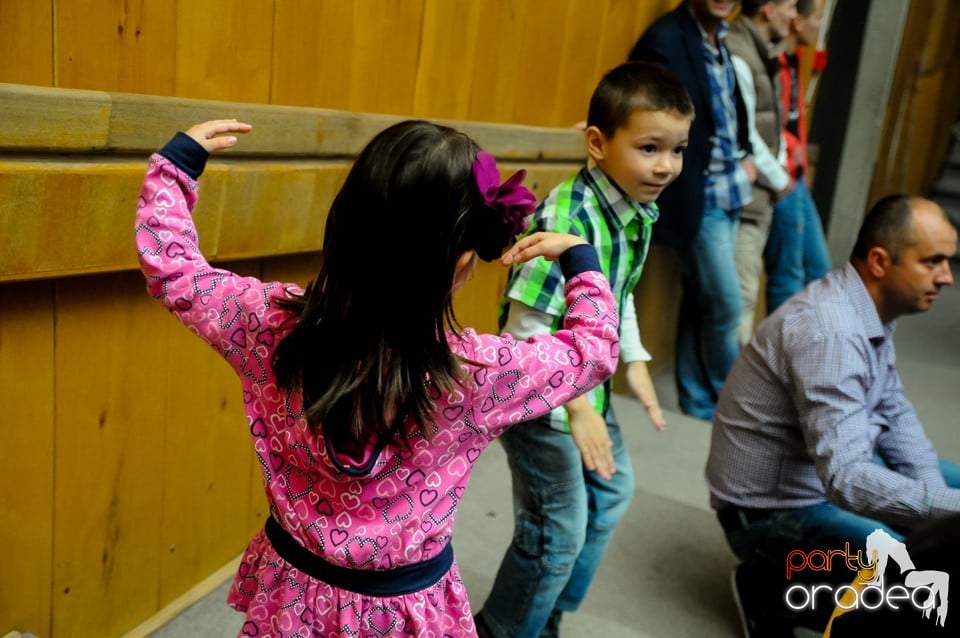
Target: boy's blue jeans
x=710, y=311
x=564, y=517
x=796, y=250
x=763, y=547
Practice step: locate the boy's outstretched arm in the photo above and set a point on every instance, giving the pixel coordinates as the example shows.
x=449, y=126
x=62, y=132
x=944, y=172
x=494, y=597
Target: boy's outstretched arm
x=638, y=378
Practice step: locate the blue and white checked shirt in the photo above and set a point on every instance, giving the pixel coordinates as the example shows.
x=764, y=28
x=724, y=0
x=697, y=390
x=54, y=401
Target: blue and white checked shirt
x=727, y=185
x=811, y=400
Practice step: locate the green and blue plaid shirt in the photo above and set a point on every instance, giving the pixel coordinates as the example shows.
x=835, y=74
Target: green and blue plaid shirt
x=588, y=205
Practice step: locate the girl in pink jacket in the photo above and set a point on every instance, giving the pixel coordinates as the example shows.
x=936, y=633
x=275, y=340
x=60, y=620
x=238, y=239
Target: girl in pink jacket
x=366, y=403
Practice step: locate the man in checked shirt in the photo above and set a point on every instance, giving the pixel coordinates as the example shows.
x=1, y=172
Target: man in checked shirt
x=814, y=444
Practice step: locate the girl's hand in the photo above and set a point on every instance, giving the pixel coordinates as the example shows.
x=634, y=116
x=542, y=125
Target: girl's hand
x=210, y=135
x=546, y=245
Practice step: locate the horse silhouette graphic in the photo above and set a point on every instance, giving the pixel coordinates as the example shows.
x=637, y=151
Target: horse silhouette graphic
x=881, y=548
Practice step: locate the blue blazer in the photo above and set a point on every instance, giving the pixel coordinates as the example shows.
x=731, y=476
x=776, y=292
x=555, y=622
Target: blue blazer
x=674, y=42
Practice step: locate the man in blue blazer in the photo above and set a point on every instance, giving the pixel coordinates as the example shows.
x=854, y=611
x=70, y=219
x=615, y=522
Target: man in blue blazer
x=701, y=209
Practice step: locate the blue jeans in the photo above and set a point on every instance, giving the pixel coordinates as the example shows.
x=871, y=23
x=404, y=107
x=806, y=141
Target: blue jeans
x=764, y=546
x=796, y=250
x=564, y=517
x=710, y=312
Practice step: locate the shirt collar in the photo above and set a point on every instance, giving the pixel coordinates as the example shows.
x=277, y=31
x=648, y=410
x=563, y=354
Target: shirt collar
x=620, y=207
x=722, y=29
x=864, y=306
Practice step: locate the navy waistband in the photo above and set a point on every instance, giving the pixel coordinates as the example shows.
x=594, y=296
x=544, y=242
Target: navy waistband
x=391, y=582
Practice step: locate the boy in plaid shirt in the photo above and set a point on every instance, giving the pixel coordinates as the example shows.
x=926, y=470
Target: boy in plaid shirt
x=572, y=478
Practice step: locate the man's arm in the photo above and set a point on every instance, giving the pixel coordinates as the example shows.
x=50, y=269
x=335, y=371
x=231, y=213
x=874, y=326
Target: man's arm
x=831, y=381
x=902, y=444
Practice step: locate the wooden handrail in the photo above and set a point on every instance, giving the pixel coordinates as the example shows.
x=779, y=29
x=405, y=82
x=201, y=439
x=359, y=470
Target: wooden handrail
x=71, y=163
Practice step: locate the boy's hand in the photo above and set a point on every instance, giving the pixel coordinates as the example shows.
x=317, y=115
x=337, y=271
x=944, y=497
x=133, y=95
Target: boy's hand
x=542, y=244
x=638, y=378
x=210, y=135
x=589, y=431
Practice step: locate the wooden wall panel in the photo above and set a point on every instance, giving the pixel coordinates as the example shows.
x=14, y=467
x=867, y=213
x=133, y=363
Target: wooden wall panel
x=26, y=34
x=496, y=84
x=207, y=456
x=538, y=64
x=112, y=381
x=288, y=202
x=359, y=56
x=385, y=55
x=223, y=49
x=623, y=23
x=115, y=45
x=311, y=66
x=577, y=55
x=62, y=203
x=448, y=48
x=27, y=385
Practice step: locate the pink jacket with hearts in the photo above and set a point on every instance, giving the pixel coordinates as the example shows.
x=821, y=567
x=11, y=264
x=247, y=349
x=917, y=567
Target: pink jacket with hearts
x=403, y=510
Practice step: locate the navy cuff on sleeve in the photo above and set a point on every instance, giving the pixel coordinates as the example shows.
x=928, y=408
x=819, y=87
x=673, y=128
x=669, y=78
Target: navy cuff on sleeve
x=579, y=259
x=187, y=154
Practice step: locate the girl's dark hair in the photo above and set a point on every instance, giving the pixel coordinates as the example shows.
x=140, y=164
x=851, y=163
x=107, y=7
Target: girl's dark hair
x=369, y=348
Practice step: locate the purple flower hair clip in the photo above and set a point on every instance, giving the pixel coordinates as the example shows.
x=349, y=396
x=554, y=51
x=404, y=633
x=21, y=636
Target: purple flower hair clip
x=511, y=201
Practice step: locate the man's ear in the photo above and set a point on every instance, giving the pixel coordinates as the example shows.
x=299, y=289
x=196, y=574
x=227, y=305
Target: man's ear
x=878, y=261
x=596, y=143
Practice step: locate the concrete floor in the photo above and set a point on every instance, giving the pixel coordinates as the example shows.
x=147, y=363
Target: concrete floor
x=666, y=574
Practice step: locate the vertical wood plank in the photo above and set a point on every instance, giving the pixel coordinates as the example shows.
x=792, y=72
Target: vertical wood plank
x=539, y=62
x=359, y=56
x=27, y=389
x=223, y=50
x=448, y=47
x=206, y=458
x=385, y=55
x=111, y=363
x=26, y=34
x=115, y=45
x=578, y=61
x=311, y=59
x=497, y=84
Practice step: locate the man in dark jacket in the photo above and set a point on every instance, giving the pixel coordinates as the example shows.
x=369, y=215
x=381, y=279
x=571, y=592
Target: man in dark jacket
x=702, y=207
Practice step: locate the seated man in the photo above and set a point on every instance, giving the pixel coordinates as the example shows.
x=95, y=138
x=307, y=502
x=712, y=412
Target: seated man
x=814, y=445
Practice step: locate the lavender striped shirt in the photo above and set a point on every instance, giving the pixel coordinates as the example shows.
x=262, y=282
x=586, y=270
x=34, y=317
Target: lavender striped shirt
x=811, y=400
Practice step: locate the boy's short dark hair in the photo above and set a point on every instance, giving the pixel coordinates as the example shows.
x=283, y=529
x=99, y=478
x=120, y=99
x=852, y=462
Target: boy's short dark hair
x=636, y=86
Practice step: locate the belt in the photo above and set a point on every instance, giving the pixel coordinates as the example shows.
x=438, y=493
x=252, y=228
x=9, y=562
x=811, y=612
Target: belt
x=735, y=519
x=389, y=582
